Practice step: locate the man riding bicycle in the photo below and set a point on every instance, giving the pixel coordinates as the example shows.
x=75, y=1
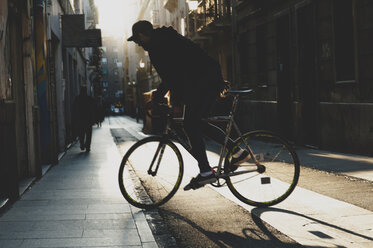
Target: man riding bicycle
x=194, y=79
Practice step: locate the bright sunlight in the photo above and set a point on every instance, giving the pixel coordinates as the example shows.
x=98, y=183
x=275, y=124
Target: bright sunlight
x=116, y=16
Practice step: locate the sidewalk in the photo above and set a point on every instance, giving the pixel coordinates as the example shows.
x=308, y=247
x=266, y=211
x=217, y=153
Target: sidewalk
x=77, y=204
x=341, y=163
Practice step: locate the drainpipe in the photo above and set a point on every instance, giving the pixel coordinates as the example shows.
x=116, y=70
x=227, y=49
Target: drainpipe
x=236, y=69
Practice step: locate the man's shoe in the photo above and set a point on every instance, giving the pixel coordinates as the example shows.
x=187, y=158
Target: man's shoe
x=200, y=181
x=238, y=158
x=88, y=149
x=82, y=148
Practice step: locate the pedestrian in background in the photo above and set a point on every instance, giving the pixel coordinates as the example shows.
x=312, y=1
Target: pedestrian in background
x=100, y=114
x=84, y=109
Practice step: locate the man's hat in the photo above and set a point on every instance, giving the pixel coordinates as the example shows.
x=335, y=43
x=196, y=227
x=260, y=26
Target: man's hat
x=140, y=27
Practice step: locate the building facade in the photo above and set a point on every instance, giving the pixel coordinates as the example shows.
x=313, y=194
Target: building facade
x=313, y=57
x=39, y=78
x=113, y=72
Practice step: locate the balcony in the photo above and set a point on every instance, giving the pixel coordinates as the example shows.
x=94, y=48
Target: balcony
x=210, y=15
x=170, y=5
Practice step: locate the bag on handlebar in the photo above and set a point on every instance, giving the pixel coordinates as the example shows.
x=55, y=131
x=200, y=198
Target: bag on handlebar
x=159, y=117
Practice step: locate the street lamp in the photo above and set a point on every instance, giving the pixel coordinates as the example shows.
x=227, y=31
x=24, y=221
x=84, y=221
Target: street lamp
x=141, y=64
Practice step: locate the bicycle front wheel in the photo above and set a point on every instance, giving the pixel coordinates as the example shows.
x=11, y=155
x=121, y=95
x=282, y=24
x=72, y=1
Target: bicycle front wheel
x=151, y=172
x=273, y=180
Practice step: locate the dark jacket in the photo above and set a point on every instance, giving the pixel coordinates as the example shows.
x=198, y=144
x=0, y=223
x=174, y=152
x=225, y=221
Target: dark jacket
x=84, y=111
x=186, y=70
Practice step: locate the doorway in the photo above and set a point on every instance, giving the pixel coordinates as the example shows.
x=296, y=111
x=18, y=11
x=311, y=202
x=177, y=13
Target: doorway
x=308, y=86
x=284, y=85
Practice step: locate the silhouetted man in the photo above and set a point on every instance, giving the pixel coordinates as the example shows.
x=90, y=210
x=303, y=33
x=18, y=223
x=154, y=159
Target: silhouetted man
x=84, y=108
x=194, y=79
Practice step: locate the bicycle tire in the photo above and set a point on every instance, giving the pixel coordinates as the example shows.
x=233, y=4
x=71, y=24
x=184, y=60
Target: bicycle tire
x=281, y=170
x=137, y=186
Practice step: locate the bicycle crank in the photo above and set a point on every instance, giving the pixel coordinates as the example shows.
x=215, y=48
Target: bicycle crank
x=221, y=180
x=219, y=183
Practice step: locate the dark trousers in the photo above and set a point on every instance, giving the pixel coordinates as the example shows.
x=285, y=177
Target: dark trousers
x=85, y=136
x=195, y=128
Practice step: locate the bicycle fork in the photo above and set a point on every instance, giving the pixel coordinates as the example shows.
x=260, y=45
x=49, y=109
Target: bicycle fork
x=160, y=150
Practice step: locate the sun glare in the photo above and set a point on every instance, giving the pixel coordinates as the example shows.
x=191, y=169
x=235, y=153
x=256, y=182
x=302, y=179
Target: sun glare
x=116, y=16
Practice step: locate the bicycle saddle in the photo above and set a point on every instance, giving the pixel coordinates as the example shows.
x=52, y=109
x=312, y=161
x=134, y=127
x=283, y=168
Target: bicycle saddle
x=239, y=92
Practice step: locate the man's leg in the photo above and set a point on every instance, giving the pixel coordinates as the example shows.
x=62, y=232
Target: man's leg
x=81, y=134
x=193, y=127
x=88, y=132
x=198, y=151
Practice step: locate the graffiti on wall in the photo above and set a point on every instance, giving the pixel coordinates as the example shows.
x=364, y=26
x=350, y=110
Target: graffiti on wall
x=5, y=70
x=42, y=77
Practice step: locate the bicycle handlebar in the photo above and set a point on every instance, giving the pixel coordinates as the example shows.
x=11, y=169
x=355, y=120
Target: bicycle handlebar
x=227, y=90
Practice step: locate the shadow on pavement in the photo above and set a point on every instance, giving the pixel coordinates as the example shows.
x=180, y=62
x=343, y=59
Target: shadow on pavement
x=257, y=212
x=251, y=237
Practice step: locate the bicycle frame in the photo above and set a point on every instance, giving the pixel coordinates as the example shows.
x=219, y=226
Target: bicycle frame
x=170, y=132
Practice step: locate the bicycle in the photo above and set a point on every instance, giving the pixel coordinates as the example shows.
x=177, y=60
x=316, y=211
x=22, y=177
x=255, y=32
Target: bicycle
x=152, y=169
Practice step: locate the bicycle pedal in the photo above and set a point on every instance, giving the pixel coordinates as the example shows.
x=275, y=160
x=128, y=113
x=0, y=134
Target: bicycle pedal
x=193, y=186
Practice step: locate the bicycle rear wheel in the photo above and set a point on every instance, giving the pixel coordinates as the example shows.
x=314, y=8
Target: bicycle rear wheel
x=279, y=162
x=151, y=172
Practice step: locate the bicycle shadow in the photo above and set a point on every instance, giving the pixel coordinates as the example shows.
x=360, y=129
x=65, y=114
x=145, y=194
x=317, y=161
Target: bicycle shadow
x=257, y=212
x=251, y=237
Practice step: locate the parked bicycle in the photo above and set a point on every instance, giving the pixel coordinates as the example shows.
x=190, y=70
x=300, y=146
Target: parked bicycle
x=152, y=169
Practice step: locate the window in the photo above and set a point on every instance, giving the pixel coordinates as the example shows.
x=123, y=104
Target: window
x=261, y=54
x=243, y=51
x=344, y=40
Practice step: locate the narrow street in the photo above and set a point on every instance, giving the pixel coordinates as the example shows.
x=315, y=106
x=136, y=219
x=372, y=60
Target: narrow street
x=299, y=68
